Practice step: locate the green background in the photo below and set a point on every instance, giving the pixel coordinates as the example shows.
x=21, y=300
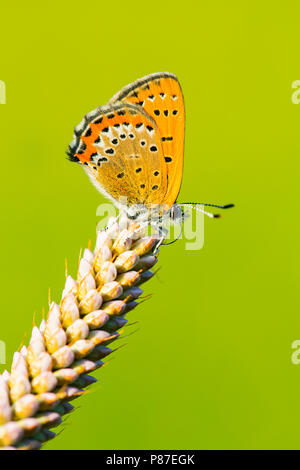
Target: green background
x=210, y=366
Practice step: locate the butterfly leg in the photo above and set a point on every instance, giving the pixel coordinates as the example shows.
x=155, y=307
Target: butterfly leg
x=161, y=232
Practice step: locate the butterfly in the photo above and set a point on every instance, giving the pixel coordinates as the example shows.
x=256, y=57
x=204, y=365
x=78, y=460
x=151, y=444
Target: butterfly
x=132, y=148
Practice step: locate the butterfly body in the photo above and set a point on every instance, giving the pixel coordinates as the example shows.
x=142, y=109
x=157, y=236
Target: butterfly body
x=132, y=148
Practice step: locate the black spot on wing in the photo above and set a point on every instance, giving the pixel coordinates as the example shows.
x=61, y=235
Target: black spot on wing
x=72, y=157
x=82, y=148
x=88, y=132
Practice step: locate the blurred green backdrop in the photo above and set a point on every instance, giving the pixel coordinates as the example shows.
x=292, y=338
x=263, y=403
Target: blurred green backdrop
x=210, y=366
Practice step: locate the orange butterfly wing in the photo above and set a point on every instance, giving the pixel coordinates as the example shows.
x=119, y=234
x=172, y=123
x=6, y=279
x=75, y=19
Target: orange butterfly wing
x=160, y=95
x=120, y=149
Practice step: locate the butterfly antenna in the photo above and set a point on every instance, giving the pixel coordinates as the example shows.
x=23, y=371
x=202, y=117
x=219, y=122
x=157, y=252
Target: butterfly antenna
x=218, y=206
x=209, y=214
